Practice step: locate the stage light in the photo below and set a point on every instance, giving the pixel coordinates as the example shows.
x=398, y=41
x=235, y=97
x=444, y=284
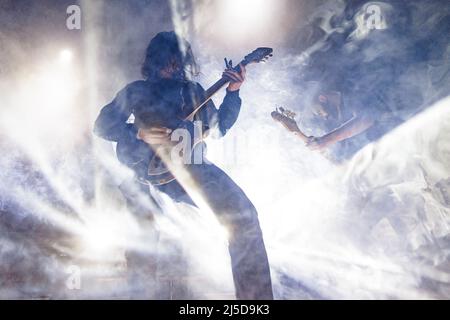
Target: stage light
x=65, y=56
x=247, y=19
x=44, y=103
x=99, y=239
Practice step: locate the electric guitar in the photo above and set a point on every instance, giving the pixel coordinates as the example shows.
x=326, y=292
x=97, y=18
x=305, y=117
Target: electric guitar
x=287, y=119
x=143, y=160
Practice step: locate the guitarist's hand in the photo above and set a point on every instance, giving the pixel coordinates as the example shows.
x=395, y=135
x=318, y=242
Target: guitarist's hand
x=155, y=136
x=236, y=78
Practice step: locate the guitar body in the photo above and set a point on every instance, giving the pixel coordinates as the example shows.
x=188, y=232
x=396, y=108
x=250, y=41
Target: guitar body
x=140, y=158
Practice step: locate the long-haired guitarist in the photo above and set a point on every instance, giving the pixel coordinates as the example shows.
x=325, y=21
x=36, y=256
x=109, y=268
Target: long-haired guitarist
x=162, y=103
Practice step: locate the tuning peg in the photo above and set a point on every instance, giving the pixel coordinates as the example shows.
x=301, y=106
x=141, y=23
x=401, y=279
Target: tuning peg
x=291, y=114
x=228, y=64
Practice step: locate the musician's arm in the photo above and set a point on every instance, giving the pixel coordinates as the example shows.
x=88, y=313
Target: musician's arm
x=111, y=124
x=229, y=111
x=224, y=117
x=231, y=105
x=354, y=126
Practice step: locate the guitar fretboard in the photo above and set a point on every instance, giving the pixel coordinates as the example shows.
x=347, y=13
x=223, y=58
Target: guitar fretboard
x=211, y=91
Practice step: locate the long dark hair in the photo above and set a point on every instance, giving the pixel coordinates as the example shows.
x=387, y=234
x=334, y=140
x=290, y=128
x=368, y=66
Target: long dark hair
x=167, y=48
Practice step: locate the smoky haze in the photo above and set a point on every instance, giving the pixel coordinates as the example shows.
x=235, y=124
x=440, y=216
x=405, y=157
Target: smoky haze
x=376, y=226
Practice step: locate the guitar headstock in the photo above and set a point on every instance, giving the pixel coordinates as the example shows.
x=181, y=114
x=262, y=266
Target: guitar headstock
x=259, y=55
x=286, y=118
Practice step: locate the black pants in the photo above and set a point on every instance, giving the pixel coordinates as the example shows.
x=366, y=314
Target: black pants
x=250, y=266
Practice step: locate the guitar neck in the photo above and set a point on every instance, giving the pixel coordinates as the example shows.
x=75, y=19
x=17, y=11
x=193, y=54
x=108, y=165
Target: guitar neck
x=216, y=87
x=302, y=136
x=211, y=91
x=298, y=132
x=290, y=124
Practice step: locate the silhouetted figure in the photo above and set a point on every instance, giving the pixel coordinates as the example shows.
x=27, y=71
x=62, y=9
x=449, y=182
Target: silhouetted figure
x=166, y=93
